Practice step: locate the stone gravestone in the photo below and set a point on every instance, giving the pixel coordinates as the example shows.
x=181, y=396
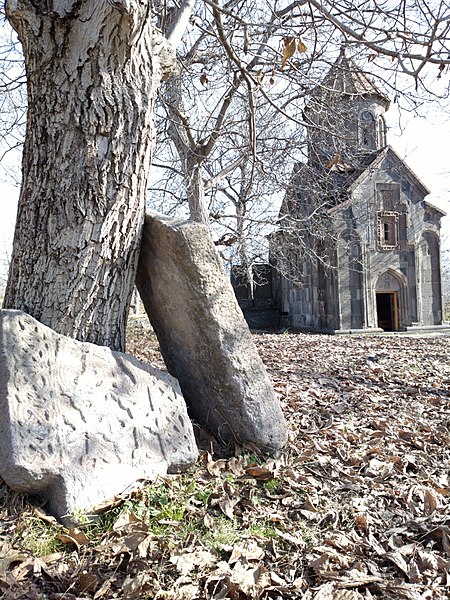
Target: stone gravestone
x=79, y=422
x=204, y=339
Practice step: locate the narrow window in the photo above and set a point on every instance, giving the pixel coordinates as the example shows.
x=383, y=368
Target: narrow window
x=367, y=130
x=381, y=132
x=388, y=230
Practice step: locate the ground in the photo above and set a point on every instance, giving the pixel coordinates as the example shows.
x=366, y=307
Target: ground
x=356, y=507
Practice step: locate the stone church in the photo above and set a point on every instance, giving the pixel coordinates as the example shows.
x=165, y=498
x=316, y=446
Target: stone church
x=358, y=245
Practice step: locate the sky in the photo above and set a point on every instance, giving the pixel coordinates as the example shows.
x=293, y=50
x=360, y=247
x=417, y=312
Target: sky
x=423, y=143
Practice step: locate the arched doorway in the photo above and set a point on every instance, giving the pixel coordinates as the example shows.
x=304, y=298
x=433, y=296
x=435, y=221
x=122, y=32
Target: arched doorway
x=389, y=291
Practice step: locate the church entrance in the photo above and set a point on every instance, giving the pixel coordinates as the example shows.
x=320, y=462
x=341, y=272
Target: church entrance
x=387, y=310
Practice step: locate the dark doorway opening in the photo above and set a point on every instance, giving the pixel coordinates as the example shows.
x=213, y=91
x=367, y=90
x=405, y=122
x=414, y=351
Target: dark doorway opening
x=387, y=310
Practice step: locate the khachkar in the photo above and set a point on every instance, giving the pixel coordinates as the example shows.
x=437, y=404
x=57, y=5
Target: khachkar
x=204, y=339
x=79, y=422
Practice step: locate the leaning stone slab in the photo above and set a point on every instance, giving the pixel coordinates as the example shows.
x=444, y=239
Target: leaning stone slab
x=204, y=339
x=79, y=423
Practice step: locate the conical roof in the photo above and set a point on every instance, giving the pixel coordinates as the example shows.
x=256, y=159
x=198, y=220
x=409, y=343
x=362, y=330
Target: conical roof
x=346, y=78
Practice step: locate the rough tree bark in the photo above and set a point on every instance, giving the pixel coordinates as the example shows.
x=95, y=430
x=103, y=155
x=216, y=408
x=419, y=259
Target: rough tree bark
x=93, y=70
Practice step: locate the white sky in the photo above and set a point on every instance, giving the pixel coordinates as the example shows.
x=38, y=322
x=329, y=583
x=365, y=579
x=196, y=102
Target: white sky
x=423, y=144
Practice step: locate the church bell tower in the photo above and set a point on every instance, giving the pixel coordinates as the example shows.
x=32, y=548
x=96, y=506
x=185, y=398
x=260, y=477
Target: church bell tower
x=345, y=118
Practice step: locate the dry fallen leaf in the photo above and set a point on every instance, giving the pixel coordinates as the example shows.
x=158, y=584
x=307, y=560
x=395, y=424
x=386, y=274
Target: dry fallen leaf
x=248, y=549
x=188, y=559
x=88, y=581
x=260, y=473
x=227, y=504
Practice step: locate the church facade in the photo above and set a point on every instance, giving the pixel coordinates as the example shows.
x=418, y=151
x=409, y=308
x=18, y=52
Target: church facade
x=358, y=246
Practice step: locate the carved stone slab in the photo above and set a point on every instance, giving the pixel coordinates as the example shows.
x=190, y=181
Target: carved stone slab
x=203, y=336
x=79, y=422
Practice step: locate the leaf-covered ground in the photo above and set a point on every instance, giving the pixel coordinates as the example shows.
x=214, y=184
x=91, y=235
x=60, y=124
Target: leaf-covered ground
x=356, y=508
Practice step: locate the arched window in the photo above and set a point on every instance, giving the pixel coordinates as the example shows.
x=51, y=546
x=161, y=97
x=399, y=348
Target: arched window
x=381, y=132
x=367, y=131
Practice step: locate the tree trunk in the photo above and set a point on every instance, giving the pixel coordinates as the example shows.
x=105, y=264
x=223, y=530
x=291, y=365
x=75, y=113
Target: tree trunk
x=93, y=70
x=241, y=238
x=189, y=150
x=195, y=187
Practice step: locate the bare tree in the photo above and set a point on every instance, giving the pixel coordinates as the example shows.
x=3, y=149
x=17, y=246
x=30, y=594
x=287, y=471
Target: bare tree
x=198, y=118
x=413, y=35
x=231, y=121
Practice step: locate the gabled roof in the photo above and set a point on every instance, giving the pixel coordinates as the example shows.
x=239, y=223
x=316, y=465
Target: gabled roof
x=400, y=164
x=435, y=209
x=346, y=78
x=388, y=151
x=351, y=180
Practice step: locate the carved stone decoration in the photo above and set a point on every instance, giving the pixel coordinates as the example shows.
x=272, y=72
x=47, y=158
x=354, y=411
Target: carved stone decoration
x=80, y=423
x=203, y=336
x=387, y=282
